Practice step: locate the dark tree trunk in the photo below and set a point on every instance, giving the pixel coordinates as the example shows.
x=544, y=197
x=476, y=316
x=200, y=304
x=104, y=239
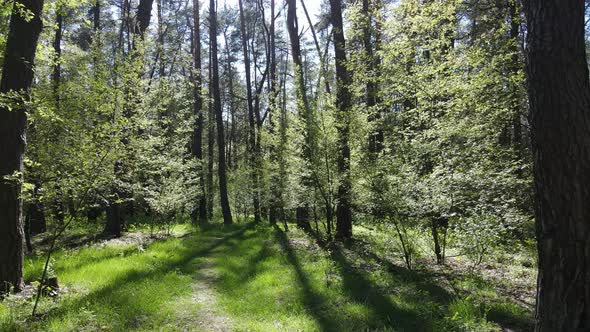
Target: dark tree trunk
x=56, y=75
x=371, y=90
x=200, y=212
x=113, y=225
x=252, y=125
x=276, y=192
x=210, y=145
x=514, y=93
x=36, y=210
x=17, y=76
x=302, y=105
x=559, y=96
x=28, y=231
x=144, y=15
x=343, y=104
x=223, y=197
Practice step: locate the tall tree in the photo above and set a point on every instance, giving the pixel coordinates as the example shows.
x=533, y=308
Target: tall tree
x=17, y=77
x=252, y=126
x=559, y=95
x=343, y=105
x=303, y=106
x=221, y=171
x=200, y=212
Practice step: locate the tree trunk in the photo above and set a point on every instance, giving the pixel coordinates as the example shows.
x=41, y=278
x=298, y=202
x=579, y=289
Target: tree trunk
x=343, y=104
x=302, y=106
x=210, y=145
x=559, y=95
x=200, y=212
x=17, y=76
x=276, y=193
x=252, y=126
x=223, y=197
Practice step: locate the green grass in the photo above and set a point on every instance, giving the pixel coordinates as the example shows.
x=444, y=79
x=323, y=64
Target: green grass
x=257, y=278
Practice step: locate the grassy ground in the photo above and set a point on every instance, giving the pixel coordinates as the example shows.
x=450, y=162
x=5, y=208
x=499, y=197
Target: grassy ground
x=258, y=278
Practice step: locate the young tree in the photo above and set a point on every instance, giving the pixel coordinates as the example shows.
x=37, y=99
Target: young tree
x=223, y=197
x=17, y=76
x=343, y=104
x=559, y=94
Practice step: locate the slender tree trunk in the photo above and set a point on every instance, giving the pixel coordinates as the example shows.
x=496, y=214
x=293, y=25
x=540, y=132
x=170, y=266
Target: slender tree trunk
x=17, y=76
x=223, y=197
x=56, y=75
x=559, y=96
x=302, y=213
x=210, y=144
x=514, y=93
x=276, y=192
x=251, y=122
x=200, y=212
x=343, y=104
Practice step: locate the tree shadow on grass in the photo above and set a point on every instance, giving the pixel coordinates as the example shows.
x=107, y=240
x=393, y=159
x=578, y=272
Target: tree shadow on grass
x=418, y=289
x=314, y=302
x=125, y=292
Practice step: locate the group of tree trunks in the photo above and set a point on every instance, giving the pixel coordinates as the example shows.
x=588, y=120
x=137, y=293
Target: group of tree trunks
x=559, y=94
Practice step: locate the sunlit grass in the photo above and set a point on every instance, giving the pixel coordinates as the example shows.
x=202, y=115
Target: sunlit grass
x=263, y=279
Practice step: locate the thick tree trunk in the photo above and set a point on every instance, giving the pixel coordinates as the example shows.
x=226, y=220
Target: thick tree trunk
x=223, y=197
x=17, y=76
x=559, y=93
x=200, y=212
x=343, y=103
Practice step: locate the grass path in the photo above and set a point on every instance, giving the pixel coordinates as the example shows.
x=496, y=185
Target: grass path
x=250, y=278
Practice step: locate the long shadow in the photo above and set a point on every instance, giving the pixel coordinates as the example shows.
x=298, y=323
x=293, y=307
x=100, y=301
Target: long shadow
x=112, y=292
x=362, y=290
x=385, y=312
x=313, y=301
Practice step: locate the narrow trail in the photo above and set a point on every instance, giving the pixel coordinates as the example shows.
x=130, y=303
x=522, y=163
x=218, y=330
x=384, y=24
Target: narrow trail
x=211, y=316
x=201, y=311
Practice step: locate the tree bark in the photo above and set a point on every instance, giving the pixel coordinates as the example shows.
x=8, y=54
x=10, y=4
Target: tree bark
x=302, y=213
x=200, y=212
x=559, y=96
x=343, y=104
x=17, y=77
x=252, y=126
x=223, y=197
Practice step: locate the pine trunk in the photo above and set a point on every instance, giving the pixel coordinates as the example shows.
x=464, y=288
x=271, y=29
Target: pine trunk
x=223, y=196
x=559, y=93
x=17, y=76
x=343, y=104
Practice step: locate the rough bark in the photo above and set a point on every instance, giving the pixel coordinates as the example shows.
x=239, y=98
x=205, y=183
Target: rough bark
x=559, y=96
x=223, y=196
x=343, y=105
x=17, y=77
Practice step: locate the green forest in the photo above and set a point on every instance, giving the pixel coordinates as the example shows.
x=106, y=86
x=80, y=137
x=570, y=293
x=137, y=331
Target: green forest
x=294, y=165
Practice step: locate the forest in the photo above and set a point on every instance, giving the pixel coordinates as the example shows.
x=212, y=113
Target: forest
x=294, y=165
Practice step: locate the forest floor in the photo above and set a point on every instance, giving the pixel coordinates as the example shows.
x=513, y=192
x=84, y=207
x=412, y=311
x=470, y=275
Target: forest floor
x=262, y=278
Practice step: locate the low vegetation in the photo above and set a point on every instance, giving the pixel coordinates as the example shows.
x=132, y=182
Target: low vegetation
x=251, y=277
